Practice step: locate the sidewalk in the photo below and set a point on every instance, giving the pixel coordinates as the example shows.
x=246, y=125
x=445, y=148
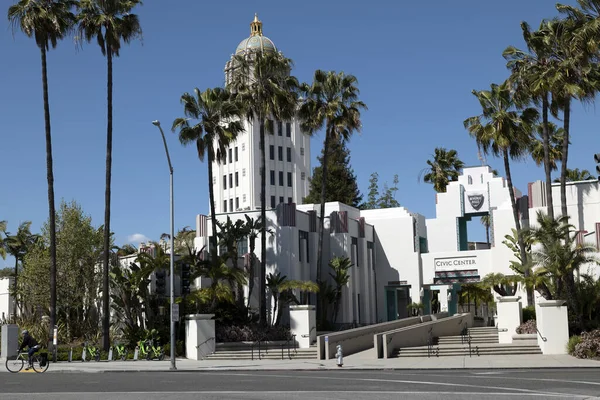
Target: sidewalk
x=356, y=362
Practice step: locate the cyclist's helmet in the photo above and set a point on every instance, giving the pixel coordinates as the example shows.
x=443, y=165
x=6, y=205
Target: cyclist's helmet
x=25, y=332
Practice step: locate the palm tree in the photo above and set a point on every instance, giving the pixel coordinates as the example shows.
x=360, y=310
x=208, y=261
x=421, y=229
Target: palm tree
x=281, y=290
x=264, y=86
x=331, y=101
x=537, y=150
x=559, y=257
x=108, y=22
x=505, y=132
x=48, y=22
x=574, y=78
x=443, y=169
x=17, y=246
x=230, y=235
x=2, y=244
x=341, y=277
x=531, y=73
x=576, y=175
x=216, y=125
x=486, y=221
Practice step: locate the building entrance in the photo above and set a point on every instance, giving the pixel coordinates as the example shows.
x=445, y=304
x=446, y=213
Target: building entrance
x=397, y=300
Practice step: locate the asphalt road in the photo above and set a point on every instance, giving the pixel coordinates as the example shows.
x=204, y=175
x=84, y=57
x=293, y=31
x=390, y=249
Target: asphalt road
x=306, y=385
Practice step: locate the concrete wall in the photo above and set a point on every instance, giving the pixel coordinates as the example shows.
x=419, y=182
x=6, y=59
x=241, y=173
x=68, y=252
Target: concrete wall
x=364, y=338
x=417, y=335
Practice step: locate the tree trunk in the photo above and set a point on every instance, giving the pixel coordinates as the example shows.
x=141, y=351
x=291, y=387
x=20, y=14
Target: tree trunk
x=15, y=284
x=211, y=195
x=51, y=209
x=520, y=240
x=320, y=314
x=251, y=270
x=547, y=169
x=565, y=155
x=263, y=236
x=105, y=290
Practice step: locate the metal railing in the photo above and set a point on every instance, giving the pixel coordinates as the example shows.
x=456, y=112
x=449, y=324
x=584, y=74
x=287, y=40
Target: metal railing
x=289, y=343
x=540, y=334
x=253, y=345
x=430, y=344
x=199, y=347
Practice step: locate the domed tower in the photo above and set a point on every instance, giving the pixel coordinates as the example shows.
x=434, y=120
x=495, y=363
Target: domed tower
x=237, y=181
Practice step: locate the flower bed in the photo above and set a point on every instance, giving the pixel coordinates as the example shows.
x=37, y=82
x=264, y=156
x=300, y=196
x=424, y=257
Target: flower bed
x=587, y=346
x=529, y=327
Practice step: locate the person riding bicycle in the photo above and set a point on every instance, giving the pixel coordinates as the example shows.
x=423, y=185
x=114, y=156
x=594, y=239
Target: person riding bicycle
x=31, y=343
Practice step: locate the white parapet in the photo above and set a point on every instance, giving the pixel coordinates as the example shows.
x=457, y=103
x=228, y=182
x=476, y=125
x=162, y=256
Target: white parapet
x=553, y=326
x=199, y=336
x=303, y=324
x=509, y=317
x=10, y=341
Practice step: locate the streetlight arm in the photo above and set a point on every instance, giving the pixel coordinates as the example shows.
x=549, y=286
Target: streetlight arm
x=166, y=148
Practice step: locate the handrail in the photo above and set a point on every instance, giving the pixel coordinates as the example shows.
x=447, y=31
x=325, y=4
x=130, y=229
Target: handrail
x=540, y=333
x=200, y=345
x=430, y=350
x=255, y=343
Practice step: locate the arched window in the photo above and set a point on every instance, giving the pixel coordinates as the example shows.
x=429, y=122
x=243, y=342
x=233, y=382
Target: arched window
x=470, y=180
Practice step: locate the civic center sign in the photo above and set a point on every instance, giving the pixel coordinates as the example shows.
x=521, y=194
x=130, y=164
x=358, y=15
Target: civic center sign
x=455, y=263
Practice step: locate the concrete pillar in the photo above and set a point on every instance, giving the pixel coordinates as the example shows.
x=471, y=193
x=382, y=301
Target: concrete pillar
x=509, y=317
x=199, y=336
x=443, y=298
x=10, y=341
x=553, y=326
x=303, y=324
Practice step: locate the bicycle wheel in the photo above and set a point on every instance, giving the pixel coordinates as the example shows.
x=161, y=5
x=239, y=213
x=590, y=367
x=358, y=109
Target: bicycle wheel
x=37, y=364
x=16, y=365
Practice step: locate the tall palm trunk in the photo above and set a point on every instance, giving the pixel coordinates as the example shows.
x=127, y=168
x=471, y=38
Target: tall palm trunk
x=322, y=219
x=109, y=132
x=251, y=270
x=211, y=200
x=520, y=240
x=51, y=209
x=15, y=283
x=565, y=156
x=263, y=236
x=547, y=169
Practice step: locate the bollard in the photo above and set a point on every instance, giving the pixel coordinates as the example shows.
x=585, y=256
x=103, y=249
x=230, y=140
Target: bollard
x=110, y=354
x=70, y=354
x=83, y=355
x=136, y=353
x=340, y=356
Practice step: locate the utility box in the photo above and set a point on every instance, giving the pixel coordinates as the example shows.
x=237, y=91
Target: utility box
x=10, y=341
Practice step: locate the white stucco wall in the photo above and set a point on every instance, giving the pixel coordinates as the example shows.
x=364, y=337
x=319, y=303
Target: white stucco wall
x=6, y=303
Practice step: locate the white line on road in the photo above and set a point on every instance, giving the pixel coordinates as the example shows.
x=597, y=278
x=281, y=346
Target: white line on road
x=410, y=382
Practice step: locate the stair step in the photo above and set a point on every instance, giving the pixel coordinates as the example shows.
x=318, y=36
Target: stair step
x=466, y=353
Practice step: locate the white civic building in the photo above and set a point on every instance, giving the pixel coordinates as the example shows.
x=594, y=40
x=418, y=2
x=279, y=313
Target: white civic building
x=399, y=257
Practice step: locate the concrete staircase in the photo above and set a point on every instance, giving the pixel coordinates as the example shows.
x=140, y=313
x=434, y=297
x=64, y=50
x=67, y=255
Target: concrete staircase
x=269, y=352
x=484, y=341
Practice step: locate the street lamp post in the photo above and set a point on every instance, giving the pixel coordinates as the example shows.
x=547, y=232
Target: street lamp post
x=172, y=255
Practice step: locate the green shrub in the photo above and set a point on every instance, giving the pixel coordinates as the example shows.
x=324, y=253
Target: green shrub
x=528, y=313
x=572, y=343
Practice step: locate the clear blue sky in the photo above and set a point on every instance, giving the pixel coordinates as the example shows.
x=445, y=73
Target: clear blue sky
x=416, y=63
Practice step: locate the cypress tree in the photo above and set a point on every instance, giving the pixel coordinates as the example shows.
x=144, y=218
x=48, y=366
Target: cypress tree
x=341, y=180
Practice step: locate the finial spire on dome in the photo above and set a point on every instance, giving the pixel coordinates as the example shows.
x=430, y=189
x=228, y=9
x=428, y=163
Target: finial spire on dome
x=256, y=26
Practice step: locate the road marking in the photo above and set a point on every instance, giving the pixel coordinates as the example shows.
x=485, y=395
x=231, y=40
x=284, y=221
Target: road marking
x=411, y=382
x=287, y=392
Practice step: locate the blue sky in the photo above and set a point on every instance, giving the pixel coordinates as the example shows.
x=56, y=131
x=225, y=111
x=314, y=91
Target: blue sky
x=416, y=63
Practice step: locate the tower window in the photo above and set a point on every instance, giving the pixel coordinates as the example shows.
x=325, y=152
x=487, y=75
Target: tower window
x=236, y=153
x=303, y=175
x=237, y=180
x=279, y=128
x=237, y=203
x=230, y=180
x=280, y=178
x=272, y=176
x=289, y=200
x=224, y=205
x=230, y=155
x=289, y=154
x=301, y=151
x=289, y=176
x=224, y=181
x=244, y=198
x=280, y=199
x=230, y=204
x=272, y=201
x=243, y=171
x=272, y=152
x=280, y=153
x=288, y=129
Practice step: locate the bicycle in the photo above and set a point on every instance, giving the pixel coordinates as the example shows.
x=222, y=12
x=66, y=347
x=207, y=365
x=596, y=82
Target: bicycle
x=122, y=351
x=39, y=362
x=93, y=351
x=151, y=352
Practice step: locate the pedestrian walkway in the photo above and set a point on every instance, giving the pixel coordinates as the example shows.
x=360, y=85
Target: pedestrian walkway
x=361, y=361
